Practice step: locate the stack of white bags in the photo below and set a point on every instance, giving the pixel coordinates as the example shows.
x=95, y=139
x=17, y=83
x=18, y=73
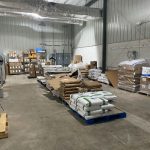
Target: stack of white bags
x=94, y=74
x=92, y=104
x=103, y=79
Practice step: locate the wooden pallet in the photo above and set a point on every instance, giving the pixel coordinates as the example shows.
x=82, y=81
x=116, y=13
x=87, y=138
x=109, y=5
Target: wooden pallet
x=127, y=90
x=3, y=125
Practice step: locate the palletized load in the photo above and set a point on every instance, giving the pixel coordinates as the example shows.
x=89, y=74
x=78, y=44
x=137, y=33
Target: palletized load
x=69, y=86
x=53, y=68
x=103, y=79
x=146, y=71
x=129, y=73
x=145, y=85
x=94, y=74
x=53, y=83
x=92, y=104
x=92, y=85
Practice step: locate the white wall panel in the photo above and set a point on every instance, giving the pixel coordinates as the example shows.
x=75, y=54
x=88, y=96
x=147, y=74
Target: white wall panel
x=117, y=52
x=90, y=54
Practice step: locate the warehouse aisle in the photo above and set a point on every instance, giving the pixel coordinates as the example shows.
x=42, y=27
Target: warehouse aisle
x=38, y=122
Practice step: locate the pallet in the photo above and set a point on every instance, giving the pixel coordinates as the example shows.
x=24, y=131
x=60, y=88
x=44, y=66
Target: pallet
x=29, y=77
x=3, y=125
x=127, y=90
x=110, y=116
x=44, y=84
x=144, y=93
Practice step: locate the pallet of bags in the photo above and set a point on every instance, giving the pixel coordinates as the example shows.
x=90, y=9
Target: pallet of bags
x=94, y=74
x=69, y=86
x=103, y=79
x=129, y=73
x=92, y=105
x=92, y=85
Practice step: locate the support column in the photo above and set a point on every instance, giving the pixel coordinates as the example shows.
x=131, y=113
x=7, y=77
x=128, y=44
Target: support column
x=104, y=50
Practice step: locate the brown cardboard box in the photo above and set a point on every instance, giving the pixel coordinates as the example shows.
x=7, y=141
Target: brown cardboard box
x=145, y=84
x=145, y=80
x=32, y=73
x=93, y=64
x=143, y=87
x=77, y=59
x=112, y=76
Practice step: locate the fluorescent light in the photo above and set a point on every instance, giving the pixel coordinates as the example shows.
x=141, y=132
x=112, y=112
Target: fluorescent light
x=34, y=15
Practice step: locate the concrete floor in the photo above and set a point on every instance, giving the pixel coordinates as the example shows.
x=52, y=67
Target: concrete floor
x=37, y=121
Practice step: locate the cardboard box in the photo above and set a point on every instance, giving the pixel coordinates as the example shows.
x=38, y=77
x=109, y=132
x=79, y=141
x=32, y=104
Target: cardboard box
x=112, y=76
x=93, y=64
x=145, y=80
x=145, y=84
x=32, y=73
x=77, y=59
x=146, y=71
x=144, y=87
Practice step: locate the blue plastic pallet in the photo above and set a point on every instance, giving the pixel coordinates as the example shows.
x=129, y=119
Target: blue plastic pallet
x=107, y=118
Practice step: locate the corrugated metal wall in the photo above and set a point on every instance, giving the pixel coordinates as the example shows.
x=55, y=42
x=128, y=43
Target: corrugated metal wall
x=123, y=28
x=88, y=39
x=18, y=34
x=58, y=38
x=22, y=34
x=123, y=19
x=123, y=16
x=90, y=34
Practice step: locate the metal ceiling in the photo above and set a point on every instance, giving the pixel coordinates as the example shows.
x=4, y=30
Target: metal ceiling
x=64, y=11
x=71, y=2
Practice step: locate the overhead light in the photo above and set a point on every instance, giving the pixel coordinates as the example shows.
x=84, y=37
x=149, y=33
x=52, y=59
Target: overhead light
x=34, y=15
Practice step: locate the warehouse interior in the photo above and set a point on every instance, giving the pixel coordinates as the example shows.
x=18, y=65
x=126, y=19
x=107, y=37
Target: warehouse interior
x=74, y=74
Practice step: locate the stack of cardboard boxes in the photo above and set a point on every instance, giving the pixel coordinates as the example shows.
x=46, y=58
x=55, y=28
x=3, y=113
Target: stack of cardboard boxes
x=145, y=80
x=26, y=62
x=15, y=68
x=129, y=74
x=145, y=84
x=33, y=71
x=32, y=54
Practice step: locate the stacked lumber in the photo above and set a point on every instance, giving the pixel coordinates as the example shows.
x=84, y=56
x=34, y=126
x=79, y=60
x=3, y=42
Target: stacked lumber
x=3, y=126
x=92, y=104
x=69, y=86
x=92, y=85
